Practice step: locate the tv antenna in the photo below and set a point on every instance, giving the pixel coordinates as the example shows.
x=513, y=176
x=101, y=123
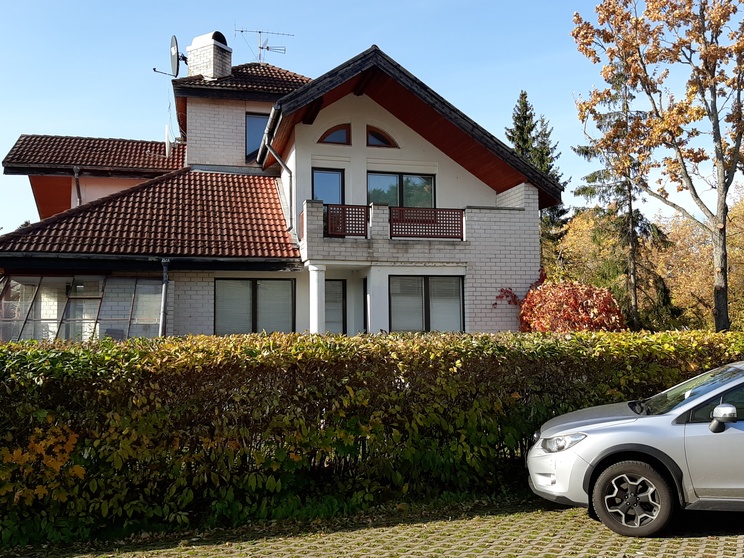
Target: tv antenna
x=175, y=59
x=263, y=45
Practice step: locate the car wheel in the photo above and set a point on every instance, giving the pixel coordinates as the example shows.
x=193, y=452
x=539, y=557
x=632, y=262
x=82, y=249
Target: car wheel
x=633, y=499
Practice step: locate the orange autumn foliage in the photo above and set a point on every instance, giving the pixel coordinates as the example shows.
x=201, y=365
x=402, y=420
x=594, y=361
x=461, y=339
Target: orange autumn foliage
x=570, y=306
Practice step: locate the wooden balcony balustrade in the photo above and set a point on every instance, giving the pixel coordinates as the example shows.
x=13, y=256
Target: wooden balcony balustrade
x=345, y=220
x=425, y=222
x=341, y=221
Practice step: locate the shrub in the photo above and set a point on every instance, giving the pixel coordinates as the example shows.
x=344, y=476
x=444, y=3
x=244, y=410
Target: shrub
x=569, y=306
x=104, y=439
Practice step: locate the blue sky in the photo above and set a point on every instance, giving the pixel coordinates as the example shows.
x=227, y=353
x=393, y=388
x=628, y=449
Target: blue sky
x=84, y=68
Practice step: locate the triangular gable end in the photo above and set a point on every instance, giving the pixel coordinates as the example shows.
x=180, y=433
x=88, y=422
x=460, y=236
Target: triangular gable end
x=378, y=76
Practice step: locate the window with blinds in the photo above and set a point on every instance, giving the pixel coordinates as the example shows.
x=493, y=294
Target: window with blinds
x=253, y=305
x=430, y=303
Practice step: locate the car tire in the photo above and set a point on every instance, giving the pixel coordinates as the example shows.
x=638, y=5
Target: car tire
x=633, y=499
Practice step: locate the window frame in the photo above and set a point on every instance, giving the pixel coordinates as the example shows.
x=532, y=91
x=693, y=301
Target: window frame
x=344, y=324
x=427, y=300
x=66, y=324
x=324, y=138
x=254, y=281
x=388, y=142
x=251, y=156
x=340, y=172
x=401, y=194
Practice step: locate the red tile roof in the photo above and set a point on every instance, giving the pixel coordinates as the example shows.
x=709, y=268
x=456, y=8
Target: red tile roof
x=185, y=213
x=255, y=77
x=104, y=154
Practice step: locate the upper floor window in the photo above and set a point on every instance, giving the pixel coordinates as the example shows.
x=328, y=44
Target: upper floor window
x=378, y=138
x=340, y=135
x=255, y=126
x=328, y=185
x=400, y=190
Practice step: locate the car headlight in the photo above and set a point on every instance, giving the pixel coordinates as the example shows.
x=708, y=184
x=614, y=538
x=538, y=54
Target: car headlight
x=560, y=443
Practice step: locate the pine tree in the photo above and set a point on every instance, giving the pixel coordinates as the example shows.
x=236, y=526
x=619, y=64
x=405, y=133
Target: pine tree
x=619, y=192
x=522, y=134
x=531, y=139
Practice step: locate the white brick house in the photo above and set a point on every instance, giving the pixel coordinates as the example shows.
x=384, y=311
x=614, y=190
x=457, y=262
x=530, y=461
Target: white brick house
x=375, y=205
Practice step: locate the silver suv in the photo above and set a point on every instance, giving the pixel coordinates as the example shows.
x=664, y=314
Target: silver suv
x=632, y=464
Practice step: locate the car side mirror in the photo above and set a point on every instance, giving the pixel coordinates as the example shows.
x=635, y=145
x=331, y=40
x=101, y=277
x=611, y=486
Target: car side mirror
x=722, y=414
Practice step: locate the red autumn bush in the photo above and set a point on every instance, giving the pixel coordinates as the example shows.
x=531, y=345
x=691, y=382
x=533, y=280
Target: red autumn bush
x=570, y=306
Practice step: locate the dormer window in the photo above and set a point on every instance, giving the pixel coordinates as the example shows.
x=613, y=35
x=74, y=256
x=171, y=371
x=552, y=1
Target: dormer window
x=338, y=135
x=378, y=138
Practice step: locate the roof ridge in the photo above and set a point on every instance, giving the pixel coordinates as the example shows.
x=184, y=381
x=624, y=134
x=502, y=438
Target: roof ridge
x=88, y=138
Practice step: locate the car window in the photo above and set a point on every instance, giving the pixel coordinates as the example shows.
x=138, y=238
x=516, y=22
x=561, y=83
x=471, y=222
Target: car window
x=704, y=412
x=695, y=387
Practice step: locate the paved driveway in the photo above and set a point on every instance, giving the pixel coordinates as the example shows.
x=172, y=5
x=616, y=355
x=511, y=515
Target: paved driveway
x=535, y=529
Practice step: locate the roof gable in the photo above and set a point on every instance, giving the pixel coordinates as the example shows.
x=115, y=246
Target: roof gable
x=378, y=76
x=186, y=214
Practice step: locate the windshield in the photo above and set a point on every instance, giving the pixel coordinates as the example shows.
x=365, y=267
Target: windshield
x=699, y=385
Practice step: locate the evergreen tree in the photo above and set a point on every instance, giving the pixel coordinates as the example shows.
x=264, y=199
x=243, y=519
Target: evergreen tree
x=522, y=134
x=619, y=192
x=531, y=139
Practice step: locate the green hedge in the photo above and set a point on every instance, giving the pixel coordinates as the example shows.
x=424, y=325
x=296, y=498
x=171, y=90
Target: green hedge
x=98, y=440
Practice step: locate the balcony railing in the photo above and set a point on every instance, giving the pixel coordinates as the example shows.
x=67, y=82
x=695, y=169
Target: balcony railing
x=424, y=222
x=345, y=220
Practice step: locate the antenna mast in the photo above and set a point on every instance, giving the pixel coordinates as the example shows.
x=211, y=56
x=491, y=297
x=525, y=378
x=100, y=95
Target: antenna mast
x=263, y=45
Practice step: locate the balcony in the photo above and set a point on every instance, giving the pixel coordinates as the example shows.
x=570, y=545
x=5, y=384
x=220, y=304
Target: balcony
x=341, y=221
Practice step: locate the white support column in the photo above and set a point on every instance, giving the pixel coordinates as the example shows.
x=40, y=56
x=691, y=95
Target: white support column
x=317, y=298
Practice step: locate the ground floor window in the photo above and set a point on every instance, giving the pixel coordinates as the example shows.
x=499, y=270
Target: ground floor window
x=79, y=308
x=430, y=303
x=335, y=305
x=253, y=305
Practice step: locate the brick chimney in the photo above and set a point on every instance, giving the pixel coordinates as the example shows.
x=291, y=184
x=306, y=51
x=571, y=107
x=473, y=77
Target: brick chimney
x=209, y=56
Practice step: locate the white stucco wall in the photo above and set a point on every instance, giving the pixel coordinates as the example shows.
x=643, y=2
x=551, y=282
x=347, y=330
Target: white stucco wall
x=454, y=186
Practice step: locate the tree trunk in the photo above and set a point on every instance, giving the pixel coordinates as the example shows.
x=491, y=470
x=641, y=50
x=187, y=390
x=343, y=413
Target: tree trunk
x=635, y=321
x=720, y=278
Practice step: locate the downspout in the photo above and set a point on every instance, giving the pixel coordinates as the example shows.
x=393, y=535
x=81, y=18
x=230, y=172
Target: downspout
x=289, y=172
x=274, y=118
x=163, y=297
x=76, y=171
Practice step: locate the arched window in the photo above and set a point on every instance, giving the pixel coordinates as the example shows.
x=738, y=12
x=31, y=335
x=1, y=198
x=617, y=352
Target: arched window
x=378, y=138
x=339, y=135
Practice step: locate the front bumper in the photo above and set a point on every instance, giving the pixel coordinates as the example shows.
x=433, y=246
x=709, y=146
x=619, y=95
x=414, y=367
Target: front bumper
x=558, y=477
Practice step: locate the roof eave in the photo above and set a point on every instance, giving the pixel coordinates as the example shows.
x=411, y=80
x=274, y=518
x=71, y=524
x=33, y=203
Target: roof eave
x=68, y=170
x=147, y=262
x=200, y=92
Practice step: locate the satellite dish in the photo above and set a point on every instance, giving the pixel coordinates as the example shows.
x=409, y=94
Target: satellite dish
x=174, y=58
x=168, y=143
